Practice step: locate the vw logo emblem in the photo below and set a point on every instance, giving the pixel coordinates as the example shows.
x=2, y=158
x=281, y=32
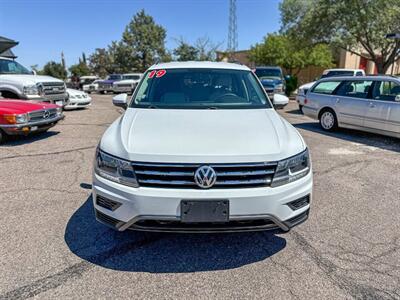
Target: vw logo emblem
x=205, y=177
x=46, y=114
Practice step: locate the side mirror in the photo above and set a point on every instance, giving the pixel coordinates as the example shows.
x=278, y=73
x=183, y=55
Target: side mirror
x=397, y=99
x=121, y=100
x=34, y=72
x=280, y=101
x=288, y=77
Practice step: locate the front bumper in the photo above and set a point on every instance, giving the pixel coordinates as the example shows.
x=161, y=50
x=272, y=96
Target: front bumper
x=26, y=128
x=122, y=89
x=78, y=104
x=59, y=99
x=156, y=209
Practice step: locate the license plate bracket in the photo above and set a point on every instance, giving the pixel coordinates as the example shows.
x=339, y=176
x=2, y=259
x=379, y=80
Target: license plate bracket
x=204, y=211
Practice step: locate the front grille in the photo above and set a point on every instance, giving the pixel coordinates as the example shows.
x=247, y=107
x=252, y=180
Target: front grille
x=178, y=226
x=40, y=115
x=104, y=86
x=246, y=175
x=53, y=88
x=110, y=221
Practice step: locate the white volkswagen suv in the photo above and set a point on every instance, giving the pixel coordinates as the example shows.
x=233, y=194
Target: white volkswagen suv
x=201, y=149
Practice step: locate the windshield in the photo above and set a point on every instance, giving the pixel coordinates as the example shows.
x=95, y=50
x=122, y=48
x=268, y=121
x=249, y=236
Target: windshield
x=114, y=77
x=268, y=73
x=337, y=73
x=134, y=77
x=200, y=88
x=12, y=67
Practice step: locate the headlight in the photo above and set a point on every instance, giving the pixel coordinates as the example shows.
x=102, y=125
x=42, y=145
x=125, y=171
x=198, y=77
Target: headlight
x=59, y=111
x=115, y=169
x=72, y=97
x=292, y=169
x=16, y=119
x=278, y=88
x=30, y=90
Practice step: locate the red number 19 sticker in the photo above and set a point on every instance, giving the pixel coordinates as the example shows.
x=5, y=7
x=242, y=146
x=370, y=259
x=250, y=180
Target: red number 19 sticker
x=158, y=74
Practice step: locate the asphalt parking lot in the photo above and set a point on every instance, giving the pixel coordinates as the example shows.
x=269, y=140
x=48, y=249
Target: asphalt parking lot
x=52, y=247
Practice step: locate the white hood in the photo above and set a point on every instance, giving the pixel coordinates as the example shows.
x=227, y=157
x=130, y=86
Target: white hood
x=201, y=136
x=29, y=79
x=73, y=92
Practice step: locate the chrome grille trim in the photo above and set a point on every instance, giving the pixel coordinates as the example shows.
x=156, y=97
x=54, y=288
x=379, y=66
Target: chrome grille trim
x=38, y=115
x=241, y=175
x=49, y=86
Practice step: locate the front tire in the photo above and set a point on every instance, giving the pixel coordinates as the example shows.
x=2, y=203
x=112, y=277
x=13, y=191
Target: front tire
x=2, y=137
x=328, y=120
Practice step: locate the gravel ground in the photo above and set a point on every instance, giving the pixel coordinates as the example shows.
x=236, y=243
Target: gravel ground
x=52, y=247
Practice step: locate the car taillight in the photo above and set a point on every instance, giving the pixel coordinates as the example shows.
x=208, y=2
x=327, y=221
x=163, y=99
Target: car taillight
x=305, y=101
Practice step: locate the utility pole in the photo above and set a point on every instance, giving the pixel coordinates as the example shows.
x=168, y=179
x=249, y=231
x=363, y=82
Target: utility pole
x=232, y=32
x=63, y=60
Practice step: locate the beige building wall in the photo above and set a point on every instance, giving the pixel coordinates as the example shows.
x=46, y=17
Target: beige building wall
x=348, y=60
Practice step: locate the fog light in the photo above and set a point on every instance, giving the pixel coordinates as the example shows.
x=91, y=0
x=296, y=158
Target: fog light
x=299, y=203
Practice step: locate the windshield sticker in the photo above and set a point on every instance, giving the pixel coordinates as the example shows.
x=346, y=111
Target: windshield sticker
x=158, y=74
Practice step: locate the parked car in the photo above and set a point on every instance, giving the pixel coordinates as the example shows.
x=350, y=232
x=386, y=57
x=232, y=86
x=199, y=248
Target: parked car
x=77, y=99
x=106, y=85
x=17, y=82
x=200, y=148
x=272, y=80
x=84, y=80
x=128, y=83
x=92, y=87
x=303, y=89
x=369, y=103
x=21, y=117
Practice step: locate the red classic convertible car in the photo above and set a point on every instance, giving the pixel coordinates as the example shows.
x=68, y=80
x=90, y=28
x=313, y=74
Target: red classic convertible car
x=23, y=117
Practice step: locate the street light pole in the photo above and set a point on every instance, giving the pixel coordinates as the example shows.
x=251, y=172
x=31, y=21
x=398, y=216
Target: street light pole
x=396, y=37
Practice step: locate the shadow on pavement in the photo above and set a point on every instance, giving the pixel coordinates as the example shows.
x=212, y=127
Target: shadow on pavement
x=294, y=112
x=18, y=140
x=164, y=253
x=368, y=139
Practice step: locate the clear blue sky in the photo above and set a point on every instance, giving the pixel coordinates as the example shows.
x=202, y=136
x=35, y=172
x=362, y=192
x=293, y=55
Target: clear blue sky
x=44, y=28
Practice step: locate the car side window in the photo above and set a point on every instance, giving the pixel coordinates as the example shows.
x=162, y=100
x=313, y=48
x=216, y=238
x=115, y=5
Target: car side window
x=326, y=87
x=355, y=89
x=386, y=90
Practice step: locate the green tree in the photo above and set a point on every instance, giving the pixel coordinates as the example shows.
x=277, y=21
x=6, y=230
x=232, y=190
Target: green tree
x=80, y=69
x=280, y=50
x=359, y=26
x=145, y=41
x=185, y=52
x=55, y=70
x=101, y=63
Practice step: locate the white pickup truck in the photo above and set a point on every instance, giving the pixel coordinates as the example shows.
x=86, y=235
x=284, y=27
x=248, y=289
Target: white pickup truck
x=17, y=82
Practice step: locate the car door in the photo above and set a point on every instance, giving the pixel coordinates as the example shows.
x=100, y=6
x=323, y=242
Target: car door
x=351, y=101
x=384, y=111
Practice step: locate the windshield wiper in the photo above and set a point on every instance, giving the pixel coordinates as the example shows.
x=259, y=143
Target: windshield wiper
x=152, y=106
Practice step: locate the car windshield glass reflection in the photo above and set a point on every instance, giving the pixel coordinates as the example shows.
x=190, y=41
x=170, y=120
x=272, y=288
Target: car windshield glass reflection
x=200, y=88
